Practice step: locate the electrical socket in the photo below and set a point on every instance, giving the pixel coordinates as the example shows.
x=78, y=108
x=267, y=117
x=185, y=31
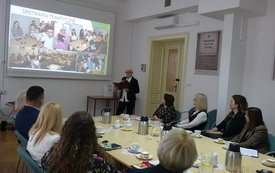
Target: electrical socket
x=2, y=91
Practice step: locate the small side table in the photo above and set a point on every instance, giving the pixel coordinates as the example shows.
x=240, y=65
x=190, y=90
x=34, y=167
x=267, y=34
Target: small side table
x=106, y=98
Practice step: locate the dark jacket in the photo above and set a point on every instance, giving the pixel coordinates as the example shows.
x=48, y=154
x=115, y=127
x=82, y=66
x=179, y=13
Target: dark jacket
x=257, y=138
x=133, y=90
x=25, y=119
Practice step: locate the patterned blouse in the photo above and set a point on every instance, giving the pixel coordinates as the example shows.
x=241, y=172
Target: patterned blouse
x=166, y=114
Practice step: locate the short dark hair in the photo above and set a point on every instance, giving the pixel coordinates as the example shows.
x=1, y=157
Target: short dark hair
x=35, y=93
x=169, y=100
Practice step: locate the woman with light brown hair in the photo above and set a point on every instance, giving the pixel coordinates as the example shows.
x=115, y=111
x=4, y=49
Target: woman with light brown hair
x=46, y=131
x=233, y=123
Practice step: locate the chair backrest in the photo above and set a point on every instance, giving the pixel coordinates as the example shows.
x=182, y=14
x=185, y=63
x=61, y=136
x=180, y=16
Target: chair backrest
x=211, y=119
x=12, y=119
x=271, y=141
x=31, y=164
x=178, y=116
x=191, y=111
x=271, y=153
x=21, y=138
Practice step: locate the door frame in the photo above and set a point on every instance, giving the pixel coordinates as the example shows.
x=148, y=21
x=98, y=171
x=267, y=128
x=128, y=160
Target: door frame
x=162, y=38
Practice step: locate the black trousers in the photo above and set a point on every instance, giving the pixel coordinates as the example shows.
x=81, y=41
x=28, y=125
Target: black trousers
x=128, y=105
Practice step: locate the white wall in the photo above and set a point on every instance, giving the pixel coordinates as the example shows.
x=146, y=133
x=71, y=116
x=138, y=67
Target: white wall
x=258, y=86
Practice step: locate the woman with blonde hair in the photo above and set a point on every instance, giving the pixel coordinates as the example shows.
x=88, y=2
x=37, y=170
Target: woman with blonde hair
x=176, y=152
x=46, y=131
x=19, y=102
x=197, y=120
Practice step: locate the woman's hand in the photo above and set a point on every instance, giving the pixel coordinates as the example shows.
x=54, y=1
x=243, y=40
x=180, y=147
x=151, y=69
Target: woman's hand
x=215, y=133
x=157, y=119
x=126, y=89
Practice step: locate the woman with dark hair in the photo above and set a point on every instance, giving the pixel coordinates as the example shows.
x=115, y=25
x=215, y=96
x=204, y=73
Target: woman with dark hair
x=16, y=30
x=77, y=149
x=73, y=36
x=166, y=112
x=82, y=34
x=233, y=123
x=254, y=134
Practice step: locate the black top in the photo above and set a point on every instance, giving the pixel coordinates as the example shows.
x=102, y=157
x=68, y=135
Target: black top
x=25, y=119
x=133, y=90
x=232, y=126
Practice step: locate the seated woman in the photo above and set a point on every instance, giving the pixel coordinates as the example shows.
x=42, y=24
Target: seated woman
x=176, y=152
x=45, y=132
x=254, y=134
x=166, y=111
x=233, y=123
x=19, y=102
x=16, y=30
x=197, y=120
x=77, y=149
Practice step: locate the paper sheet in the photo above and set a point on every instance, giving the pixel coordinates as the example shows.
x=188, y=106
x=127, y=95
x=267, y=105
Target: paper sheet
x=249, y=152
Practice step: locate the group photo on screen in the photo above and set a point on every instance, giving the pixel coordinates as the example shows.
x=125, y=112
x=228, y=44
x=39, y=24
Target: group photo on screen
x=46, y=41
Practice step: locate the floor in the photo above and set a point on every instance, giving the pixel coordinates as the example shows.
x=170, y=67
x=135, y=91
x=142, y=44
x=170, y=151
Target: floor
x=8, y=154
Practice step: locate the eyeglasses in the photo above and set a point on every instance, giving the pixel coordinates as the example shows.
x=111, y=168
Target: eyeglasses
x=128, y=72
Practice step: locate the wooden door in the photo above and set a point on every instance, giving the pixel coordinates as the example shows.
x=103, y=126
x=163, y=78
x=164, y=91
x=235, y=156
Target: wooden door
x=165, y=73
x=172, y=70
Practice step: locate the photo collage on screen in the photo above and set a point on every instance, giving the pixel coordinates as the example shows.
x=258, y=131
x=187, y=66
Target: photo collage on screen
x=46, y=41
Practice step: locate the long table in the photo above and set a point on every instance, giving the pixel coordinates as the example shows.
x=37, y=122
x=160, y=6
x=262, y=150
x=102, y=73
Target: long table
x=150, y=144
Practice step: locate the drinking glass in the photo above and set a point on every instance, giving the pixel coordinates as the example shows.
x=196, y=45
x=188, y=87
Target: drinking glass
x=156, y=130
x=206, y=165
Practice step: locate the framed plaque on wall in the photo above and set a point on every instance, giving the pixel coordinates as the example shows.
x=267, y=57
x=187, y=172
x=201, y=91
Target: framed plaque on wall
x=207, y=55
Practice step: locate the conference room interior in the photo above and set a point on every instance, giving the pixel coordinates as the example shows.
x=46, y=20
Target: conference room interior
x=245, y=59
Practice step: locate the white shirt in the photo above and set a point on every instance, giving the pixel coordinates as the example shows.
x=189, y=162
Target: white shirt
x=48, y=42
x=38, y=151
x=124, y=93
x=201, y=118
